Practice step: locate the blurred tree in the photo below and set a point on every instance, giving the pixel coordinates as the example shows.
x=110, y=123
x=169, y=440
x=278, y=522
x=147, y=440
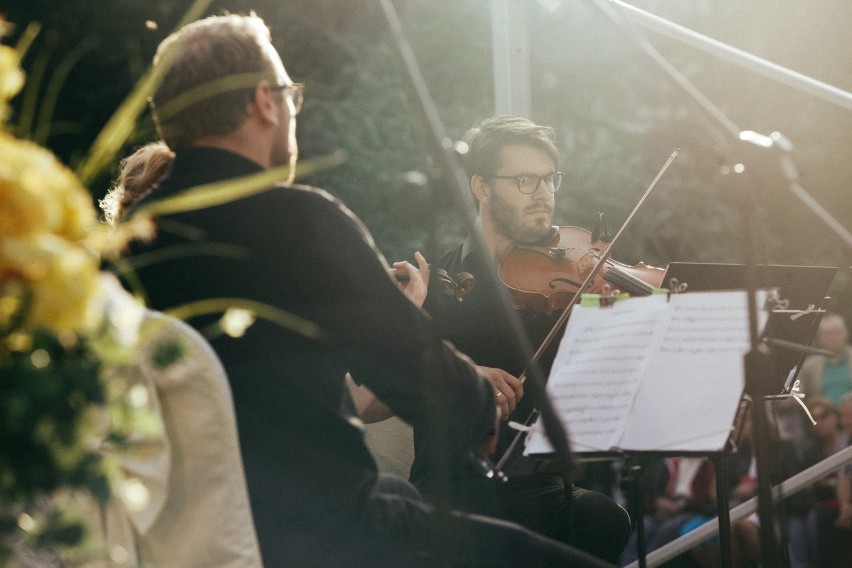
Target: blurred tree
x=617, y=114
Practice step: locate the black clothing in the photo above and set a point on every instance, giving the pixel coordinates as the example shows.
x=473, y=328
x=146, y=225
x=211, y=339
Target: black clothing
x=476, y=327
x=325, y=305
x=535, y=496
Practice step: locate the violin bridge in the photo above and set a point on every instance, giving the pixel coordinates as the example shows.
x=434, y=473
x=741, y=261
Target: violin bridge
x=587, y=262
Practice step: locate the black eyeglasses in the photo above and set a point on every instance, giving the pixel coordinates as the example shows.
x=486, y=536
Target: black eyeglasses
x=528, y=183
x=295, y=92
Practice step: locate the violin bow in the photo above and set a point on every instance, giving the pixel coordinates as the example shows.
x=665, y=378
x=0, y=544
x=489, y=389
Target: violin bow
x=567, y=312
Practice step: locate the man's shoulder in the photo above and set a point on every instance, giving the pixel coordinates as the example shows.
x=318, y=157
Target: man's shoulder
x=302, y=193
x=286, y=198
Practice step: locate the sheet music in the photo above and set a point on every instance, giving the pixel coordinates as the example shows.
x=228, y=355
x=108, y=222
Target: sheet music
x=648, y=373
x=597, y=370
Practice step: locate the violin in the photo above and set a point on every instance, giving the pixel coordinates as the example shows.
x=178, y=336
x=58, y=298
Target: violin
x=547, y=277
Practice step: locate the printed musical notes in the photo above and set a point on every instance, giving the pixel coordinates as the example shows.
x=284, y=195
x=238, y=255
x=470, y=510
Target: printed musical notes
x=650, y=373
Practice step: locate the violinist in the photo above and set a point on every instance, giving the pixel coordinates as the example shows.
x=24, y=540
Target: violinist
x=512, y=165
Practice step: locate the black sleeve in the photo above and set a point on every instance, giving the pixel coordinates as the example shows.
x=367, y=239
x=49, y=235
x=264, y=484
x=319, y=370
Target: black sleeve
x=391, y=344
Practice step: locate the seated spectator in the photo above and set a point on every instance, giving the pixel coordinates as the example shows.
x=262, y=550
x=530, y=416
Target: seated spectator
x=828, y=539
x=186, y=502
x=829, y=376
x=785, y=462
x=682, y=497
x=844, y=480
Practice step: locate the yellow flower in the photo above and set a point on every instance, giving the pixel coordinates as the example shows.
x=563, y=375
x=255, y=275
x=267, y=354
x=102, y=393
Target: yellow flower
x=45, y=215
x=11, y=78
x=62, y=277
x=39, y=194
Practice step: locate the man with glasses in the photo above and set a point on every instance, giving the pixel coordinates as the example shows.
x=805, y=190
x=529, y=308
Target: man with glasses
x=512, y=165
x=303, y=265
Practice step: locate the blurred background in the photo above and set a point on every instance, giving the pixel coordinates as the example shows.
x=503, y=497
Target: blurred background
x=617, y=113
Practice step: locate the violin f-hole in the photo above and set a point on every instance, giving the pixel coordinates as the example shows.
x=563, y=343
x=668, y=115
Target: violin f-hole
x=552, y=284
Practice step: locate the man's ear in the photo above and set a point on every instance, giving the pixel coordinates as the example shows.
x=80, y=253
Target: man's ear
x=264, y=105
x=480, y=188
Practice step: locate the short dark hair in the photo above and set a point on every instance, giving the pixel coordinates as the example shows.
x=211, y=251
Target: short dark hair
x=486, y=140
x=214, y=65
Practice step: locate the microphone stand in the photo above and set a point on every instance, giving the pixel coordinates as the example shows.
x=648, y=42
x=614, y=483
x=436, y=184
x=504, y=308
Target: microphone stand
x=444, y=154
x=776, y=143
x=758, y=162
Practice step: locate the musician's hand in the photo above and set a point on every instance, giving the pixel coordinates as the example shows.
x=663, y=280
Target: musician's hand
x=415, y=281
x=509, y=388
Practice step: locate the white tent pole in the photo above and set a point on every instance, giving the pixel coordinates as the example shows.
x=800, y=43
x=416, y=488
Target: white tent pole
x=511, y=53
x=739, y=57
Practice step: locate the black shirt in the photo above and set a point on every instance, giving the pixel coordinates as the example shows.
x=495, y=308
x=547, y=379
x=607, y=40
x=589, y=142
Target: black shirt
x=476, y=326
x=326, y=305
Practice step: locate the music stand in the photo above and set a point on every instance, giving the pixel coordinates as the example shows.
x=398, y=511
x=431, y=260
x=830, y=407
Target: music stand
x=799, y=286
x=804, y=289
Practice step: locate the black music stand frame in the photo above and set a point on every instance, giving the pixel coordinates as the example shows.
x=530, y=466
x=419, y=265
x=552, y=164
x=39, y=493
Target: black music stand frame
x=636, y=500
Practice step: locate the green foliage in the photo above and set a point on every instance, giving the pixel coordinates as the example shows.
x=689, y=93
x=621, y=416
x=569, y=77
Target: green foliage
x=43, y=393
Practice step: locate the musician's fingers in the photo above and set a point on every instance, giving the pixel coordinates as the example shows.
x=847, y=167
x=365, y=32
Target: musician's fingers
x=505, y=407
x=514, y=383
x=403, y=268
x=422, y=265
x=505, y=394
x=414, y=285
x=508, y=385
x=505, y=391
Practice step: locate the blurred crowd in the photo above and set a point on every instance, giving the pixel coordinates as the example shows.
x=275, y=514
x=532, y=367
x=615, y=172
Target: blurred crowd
x=814, y=525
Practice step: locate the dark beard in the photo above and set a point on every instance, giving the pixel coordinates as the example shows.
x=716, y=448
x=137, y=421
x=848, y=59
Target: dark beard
x=508, y=225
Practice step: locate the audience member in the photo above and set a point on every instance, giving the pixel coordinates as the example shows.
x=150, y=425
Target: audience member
x=791, y=513
x=681, y=496
x=844, y=484
x=829, y=376
x=829, y=541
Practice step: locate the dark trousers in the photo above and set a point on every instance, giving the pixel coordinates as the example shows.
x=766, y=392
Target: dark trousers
x=586, y=520
x=390, y=526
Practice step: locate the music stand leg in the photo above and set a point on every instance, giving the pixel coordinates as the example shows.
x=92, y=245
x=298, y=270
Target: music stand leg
x=758, y=364
x=634, y=476
x=720, y=463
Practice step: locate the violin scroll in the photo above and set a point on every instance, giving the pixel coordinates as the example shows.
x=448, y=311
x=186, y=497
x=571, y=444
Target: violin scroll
x=459, y=286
